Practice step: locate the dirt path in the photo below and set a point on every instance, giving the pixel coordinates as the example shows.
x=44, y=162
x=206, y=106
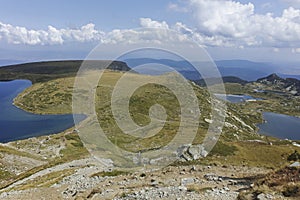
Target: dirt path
x=70, y=165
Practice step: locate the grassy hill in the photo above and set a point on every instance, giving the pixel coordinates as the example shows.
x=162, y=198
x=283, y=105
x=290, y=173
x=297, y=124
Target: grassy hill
x=237, y=141
x=50, y=70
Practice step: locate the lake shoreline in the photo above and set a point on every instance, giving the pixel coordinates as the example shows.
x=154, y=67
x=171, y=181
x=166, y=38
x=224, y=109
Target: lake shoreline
x=275, y=123
x=16, y=123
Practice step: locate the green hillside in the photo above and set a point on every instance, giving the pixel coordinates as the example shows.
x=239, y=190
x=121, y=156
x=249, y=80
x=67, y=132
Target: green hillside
x=50, y=70
x=239, y=135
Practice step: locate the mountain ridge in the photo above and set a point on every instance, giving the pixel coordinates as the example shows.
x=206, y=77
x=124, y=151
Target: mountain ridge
x=49, y=70
x=290, y=85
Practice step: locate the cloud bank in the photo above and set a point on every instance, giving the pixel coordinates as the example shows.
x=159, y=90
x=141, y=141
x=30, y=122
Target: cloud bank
x=220, y=23
x=292, y=2
x=21, y=35
x=239, y=24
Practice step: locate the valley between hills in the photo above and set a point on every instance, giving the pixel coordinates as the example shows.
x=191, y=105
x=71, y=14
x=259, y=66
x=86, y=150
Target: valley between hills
x=243, y=164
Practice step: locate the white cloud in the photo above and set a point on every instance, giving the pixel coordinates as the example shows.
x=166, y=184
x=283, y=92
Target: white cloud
x=177, y=8
x=87, y=33
x=222, y=17
x=21, y=35
x=149, y=23
x=239, y=24
x=219, y=23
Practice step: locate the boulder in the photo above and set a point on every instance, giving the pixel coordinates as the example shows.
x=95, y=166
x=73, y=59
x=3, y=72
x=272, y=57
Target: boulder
x=191, y=152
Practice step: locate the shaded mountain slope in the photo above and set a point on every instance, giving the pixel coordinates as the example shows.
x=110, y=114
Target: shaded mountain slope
x=45, y=71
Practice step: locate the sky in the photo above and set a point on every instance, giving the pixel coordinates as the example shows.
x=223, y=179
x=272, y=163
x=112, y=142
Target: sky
x=257, y=30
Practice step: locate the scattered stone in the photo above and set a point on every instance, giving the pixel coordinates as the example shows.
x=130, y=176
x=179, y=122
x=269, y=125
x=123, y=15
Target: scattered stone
x=154, y=183
x=295, y=164
x=187, y=181
x=182, y=188
x=211, y=177
x=70, y=192
x=263, y=196
x=193, y=169
x=208, y=120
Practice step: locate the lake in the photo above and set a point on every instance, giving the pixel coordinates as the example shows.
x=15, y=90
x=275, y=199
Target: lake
x=235, y=98
x=17, y=124
x=280, y=126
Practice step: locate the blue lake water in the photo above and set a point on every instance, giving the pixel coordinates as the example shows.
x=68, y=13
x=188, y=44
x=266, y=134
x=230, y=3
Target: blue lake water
x=280, y=126
x=17, y=124
x=235, y=98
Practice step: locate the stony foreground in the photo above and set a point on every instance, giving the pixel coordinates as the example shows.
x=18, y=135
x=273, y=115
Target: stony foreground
x=180, y=182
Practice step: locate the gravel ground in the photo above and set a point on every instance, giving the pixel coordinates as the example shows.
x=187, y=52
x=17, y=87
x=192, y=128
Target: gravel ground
x=183, y=182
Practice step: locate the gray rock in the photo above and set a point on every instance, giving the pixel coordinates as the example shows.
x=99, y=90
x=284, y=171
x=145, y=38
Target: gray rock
x=191, y=152
x=295, y=164
x=182, y=188
x=194, y=151
x=109, y=190
x=263, y=196
x=187, y=181
x=211, y=177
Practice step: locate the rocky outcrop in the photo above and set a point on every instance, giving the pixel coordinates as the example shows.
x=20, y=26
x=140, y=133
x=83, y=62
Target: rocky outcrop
x=290, y=85
x=271, y=79
x=191, y=152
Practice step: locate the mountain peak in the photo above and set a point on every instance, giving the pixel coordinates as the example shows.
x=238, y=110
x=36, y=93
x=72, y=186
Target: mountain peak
x=271, y=78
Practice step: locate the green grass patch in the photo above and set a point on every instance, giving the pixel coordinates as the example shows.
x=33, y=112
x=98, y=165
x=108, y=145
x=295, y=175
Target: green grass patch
x=4, y=174
x=9, y=150
x=46, y=180
x=111, y=173
x=253, y=154
x=223, y=149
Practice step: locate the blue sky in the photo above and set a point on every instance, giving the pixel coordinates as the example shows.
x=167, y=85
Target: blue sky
x=259, y=30
x=107, y=15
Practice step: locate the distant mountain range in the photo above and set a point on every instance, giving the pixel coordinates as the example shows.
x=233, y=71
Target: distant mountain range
x=289, y=76
x=236, y=71
x=243, y=69
x=5, y=62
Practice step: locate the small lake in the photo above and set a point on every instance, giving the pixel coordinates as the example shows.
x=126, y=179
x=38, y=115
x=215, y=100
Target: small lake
x=17, y=124
x=280, y=126
x=235, y=98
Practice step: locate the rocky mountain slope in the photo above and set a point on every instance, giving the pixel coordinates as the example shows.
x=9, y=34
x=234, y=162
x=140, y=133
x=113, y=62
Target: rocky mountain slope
x=289, y=85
